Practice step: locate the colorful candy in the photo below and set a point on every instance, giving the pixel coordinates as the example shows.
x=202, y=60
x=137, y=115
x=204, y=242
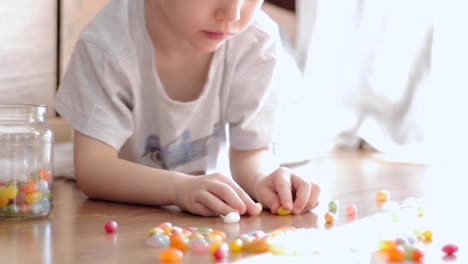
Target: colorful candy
x=329, y=218
x=427, y=235
x=221, y=252
x=449, y=249
x=235, y=245
x=282, y=211
x=333, y=205
x=383, y=196
x=170, y=255
x=157, y=241
x=111, y=226
x=232, y=217
x=351, y=210
x=30, y=198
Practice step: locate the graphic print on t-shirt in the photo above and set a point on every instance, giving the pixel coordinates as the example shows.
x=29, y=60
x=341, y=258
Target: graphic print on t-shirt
x=180, y=151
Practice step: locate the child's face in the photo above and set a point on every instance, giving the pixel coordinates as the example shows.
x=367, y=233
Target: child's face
x=207, y=24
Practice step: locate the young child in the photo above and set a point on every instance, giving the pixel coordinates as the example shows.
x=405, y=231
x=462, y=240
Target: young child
x=150, y=90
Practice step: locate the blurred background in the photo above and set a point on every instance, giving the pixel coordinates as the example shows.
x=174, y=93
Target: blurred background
x=383, y=75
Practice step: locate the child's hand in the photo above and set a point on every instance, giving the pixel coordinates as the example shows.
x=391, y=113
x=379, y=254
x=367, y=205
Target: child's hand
x=283, y=188
x=214, y=194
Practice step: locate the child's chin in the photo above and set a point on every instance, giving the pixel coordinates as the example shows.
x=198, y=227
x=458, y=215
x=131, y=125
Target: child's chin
x=209, y=48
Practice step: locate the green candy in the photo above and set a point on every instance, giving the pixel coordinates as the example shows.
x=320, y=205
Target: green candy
x=333, y=206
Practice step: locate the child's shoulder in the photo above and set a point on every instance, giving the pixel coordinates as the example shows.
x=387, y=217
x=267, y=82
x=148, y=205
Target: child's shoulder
x=113, y=25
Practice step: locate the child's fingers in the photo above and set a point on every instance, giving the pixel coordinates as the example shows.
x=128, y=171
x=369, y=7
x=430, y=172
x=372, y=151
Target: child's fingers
x=282, y=185
x=200, y=209
x=313, y=198
x=269, y=198
x=314, y=193
x=250, y=206
x=215, y=204
x=228, y=194
x=303, y=191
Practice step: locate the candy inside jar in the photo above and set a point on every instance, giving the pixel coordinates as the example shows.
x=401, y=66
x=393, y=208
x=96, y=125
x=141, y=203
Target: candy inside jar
x=26, y=177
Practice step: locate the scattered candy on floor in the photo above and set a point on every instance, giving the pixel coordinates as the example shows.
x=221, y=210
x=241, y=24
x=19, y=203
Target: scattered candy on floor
x=329, y=218
x=170, y=255
x=232, y=217
x=333, y=205
x=351, y=210
x=450, y=249
x=383, y=196
x=111, y=226
x=174, y=241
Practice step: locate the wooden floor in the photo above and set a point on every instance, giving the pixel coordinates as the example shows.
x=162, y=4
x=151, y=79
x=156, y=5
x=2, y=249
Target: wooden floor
x=74, y=232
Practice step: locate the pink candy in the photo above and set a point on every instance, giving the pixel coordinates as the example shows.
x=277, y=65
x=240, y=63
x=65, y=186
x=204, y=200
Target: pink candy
x=111, y=226
x=450, y=249
x=351, y=210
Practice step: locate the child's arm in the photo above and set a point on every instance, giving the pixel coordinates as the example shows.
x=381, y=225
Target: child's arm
x=258, y=173
x=101, y=174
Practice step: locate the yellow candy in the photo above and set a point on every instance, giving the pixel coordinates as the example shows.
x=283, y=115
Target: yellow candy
x=427, y=235
x=155, y=230
x=11, y=192
x=420, y=212
x=282, y=211
x=214, y=245
x=235, y=245
x=33, y=197
x=196, y=236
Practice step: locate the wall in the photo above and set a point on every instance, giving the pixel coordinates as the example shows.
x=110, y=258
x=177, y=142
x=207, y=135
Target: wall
x=28, y=52
x=34, y=53
x=74, y=16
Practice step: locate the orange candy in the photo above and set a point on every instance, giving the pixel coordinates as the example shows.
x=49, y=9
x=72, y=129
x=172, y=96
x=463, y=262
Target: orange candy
x=384, y=245
x=30, y=187
x=396, y=254
x=218, y=235
x=417, y=254
x=178, y=241
x=260, y=245
x=171, y=255
x=43, y=174
x=382, y=196
x=329, y=218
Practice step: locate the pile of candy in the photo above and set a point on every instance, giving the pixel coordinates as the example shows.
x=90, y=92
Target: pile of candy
x=175, y=241
x=401, y=249
x=27, y=199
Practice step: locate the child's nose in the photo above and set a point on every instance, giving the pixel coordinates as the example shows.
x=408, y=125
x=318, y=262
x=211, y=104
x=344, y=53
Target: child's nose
x=229, y=10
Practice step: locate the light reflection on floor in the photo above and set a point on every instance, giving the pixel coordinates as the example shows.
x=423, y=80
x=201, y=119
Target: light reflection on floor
x=357, y=242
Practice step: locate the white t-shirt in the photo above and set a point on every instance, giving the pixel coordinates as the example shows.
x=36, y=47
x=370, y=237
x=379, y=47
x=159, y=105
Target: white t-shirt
x=112, y=92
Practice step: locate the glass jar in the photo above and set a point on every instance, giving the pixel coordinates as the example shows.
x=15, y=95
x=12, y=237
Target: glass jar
x=26, y=162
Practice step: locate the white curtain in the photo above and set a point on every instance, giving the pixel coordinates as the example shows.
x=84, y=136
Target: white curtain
x=366, y=65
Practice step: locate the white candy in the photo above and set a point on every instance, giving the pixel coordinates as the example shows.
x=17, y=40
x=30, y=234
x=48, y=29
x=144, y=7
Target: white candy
x=232, y=217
